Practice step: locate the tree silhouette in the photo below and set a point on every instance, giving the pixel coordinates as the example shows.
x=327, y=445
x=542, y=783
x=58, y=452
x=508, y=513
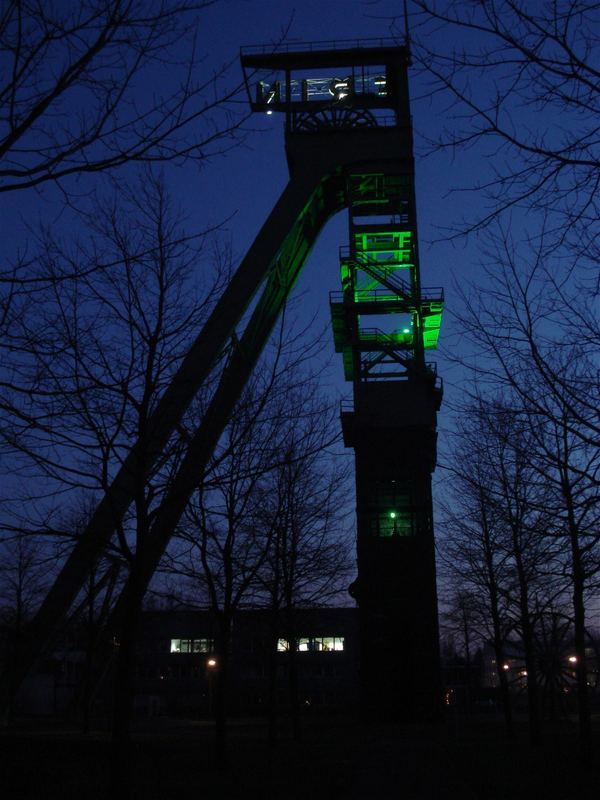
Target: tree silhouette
x=91, y=86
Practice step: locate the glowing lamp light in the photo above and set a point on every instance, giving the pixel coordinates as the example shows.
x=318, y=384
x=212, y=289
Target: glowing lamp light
x=505, y=666
x=392, y=515
x=573, y=659
x=339, y=89
x=405, y=330
x=212, y=662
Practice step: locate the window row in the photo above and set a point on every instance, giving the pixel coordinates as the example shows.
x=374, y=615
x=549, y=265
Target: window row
x=305, y=644
x=313, y=644
x=192, y=645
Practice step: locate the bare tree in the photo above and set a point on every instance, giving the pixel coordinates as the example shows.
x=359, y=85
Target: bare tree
x=459, y=621
x=23, y=576
x=520, y=83
x=472, y=557
x=571, y=468
x=102, y=347
x=91, y=617
x=309, y=560
x=88, y=391
x=520, y=499
x=87, y=88
x=534, y=340
x=495, y=468
x=90, y=86
x=531, y=325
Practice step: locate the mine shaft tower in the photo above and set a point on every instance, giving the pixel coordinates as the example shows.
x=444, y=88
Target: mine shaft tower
x=350, y=106
x=348, y=142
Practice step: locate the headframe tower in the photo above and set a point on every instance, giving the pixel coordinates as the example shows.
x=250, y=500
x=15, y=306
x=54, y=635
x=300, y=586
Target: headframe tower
x=353, y=101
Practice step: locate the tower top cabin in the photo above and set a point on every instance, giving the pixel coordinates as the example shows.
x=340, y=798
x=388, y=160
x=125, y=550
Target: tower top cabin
x=323, y=88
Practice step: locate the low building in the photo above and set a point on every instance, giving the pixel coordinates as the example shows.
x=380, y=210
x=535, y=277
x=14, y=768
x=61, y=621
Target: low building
x=177, y=665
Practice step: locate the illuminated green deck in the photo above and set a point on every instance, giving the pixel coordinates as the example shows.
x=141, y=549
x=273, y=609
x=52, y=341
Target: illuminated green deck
x=380, y=279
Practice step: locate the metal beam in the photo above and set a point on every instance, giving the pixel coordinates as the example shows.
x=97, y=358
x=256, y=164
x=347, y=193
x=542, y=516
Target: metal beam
x=282, y=277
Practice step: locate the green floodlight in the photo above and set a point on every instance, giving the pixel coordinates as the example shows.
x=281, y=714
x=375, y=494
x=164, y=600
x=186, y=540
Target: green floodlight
x=392, y=515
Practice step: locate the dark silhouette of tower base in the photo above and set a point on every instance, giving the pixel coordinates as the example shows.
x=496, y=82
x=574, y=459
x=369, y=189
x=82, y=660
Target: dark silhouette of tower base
x=392, y=431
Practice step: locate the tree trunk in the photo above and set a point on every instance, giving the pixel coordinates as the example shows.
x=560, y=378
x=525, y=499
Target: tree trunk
x=499, y=653
x=498, y=639
x=583, y=701
x=467, y=640
x=222, y=675
x=88, y=687
x=272, y=682
x=121, y=773
x=504, y=693
x=293, y=694
x=533, y=707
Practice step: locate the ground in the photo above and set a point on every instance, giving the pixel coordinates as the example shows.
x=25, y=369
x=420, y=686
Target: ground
x=464, y=757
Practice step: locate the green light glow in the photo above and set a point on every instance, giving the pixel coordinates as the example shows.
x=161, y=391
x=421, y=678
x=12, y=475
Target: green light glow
x=392, y=515
x=367, y=296
x=394, y=247
x=345, y=274
x=379, y=276
x=431, y=330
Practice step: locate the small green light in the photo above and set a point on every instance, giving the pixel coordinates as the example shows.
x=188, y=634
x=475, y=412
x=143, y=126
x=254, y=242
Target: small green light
x=392, y=514
x=405, y=330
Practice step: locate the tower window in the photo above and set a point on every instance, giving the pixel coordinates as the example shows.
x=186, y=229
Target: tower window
x=392, y=511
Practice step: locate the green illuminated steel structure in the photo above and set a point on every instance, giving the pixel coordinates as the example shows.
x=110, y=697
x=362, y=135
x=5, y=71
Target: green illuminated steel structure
x=348, y=145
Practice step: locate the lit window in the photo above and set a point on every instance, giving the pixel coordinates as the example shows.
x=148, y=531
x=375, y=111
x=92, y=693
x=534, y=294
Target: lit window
x=268, y=92
x=313, y=644
x=393, y=511
x=192, y=645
